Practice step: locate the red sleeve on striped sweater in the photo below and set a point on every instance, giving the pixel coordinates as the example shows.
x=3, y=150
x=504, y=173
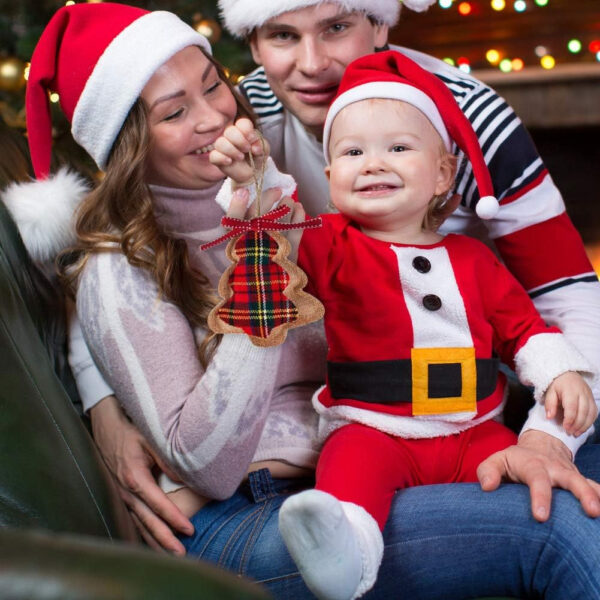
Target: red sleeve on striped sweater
x=544, y=252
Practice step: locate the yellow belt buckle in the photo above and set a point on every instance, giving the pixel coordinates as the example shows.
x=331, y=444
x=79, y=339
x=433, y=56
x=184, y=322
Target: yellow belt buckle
x=421, y=358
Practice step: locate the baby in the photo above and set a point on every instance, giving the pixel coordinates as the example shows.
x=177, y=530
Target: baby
x=415, y=322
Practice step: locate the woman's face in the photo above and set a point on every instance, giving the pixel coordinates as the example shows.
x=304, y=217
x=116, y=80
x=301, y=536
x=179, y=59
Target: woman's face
x=189, y=108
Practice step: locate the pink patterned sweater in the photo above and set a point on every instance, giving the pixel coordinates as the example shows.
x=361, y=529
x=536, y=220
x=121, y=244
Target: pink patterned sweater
x=250, y=404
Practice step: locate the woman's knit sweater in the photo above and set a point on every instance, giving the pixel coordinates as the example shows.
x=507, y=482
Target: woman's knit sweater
x=250, y=404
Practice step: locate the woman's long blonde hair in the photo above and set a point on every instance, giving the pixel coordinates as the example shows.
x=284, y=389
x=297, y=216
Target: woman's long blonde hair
x=118, y=216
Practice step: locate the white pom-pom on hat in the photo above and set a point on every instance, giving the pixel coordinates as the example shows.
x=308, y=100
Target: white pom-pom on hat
x=487, y=207
x=43, y=211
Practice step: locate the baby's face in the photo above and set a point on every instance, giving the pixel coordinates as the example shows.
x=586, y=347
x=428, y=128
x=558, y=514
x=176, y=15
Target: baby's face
x=386, y=164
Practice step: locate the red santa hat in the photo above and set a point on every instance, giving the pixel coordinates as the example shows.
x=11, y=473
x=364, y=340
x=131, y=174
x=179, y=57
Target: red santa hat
x=98, y=57
x=392, y=75
x=241, y=17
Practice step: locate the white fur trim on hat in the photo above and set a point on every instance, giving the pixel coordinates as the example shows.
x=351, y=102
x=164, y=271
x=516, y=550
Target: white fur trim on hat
x=241, y=17
x=544, y=357
x=418, y=5
x=389, y=90
x=43, y=212
x=120, y=75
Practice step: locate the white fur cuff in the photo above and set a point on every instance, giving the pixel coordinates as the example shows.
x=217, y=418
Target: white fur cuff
x=273, y=178
x=546, y=356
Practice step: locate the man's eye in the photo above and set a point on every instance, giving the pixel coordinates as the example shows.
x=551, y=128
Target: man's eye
x=173, y=115
x=338, y=28
x=283, y=36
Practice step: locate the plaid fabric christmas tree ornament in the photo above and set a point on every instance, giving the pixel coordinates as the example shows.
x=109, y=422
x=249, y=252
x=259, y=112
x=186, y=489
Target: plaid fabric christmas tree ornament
x=262, y=290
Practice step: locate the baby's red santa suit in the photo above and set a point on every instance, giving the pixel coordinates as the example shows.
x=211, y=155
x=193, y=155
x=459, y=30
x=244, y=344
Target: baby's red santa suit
x=414, y=331
x=413, y=334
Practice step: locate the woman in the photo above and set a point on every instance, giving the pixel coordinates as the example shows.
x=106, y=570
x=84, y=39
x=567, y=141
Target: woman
x=212, y=410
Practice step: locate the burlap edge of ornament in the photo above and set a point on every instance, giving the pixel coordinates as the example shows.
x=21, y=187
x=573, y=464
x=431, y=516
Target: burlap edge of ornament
x=310, y=309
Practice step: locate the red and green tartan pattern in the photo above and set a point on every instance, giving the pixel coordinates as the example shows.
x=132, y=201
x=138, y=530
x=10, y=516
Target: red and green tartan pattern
x=258, y=303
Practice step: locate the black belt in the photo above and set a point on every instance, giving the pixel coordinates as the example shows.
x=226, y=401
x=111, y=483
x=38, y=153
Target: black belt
x=390, y=381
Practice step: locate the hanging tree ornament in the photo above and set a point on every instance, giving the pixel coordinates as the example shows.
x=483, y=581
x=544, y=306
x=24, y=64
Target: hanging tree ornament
x=262, y=290
x=12, y=74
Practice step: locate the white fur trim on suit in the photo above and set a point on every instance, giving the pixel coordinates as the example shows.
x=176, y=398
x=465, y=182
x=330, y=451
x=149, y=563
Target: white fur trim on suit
x=273, y=178
x=120, y=75
x=546, y=356
x=241, y=17
x=43, y=211
x=417, y=427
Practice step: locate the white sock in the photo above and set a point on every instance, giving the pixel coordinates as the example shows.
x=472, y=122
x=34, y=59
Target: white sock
x=337, y=546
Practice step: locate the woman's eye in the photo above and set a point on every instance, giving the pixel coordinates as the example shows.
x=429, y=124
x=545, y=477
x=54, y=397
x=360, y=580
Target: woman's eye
x=214, y=87
x=173, y=115
x=398, y=148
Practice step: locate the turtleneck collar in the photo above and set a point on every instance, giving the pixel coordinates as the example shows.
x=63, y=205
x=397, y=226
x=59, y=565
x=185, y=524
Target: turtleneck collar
x=188, y=212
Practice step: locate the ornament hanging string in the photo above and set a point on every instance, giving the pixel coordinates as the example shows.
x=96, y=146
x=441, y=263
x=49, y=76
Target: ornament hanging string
x=256, y=176
x=266, y=222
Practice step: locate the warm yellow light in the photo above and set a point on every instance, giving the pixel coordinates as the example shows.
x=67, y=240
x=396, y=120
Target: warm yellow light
x=69, y=3
x=493, y=56
x=498, y=4
x=517, y=64
x=54, y=97
x=26, y=71
x=548, y=62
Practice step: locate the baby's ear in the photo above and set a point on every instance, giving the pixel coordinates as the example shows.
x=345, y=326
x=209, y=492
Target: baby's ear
x=446, y=174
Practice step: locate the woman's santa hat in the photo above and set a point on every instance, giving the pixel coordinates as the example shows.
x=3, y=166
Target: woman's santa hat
x=97, y=57
x=392, y=75
x=241, y=17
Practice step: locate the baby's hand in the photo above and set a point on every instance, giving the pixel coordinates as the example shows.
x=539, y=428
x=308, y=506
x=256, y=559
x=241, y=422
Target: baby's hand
x=576, y=401
x=231, y=149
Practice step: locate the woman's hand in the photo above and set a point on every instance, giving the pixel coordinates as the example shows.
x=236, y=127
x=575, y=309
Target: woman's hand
x=130, y=459
x=232, y=147
x=541, y=462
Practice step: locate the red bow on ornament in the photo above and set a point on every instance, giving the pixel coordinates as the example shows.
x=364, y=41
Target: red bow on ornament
x=262, y=290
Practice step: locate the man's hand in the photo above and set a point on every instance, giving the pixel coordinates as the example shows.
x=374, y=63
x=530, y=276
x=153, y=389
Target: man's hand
x=130, y=459
x=541, y=462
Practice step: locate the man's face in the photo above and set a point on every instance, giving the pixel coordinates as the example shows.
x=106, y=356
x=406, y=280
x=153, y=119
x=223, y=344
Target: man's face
x=304, y=53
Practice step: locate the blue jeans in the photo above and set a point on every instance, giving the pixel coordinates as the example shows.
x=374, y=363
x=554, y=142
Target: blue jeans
x=441, y=542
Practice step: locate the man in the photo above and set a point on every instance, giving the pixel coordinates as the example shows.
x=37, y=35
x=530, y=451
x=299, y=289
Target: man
x=303, y=47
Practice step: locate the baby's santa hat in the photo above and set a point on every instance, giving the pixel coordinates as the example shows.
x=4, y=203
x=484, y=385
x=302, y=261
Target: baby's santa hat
x=241, y=17
x=97, y=57
x=392, y=75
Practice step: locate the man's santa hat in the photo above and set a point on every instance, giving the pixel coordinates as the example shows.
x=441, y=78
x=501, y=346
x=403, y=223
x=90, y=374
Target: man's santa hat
x=392, y=75
x=97, y=57
x=241, y=17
